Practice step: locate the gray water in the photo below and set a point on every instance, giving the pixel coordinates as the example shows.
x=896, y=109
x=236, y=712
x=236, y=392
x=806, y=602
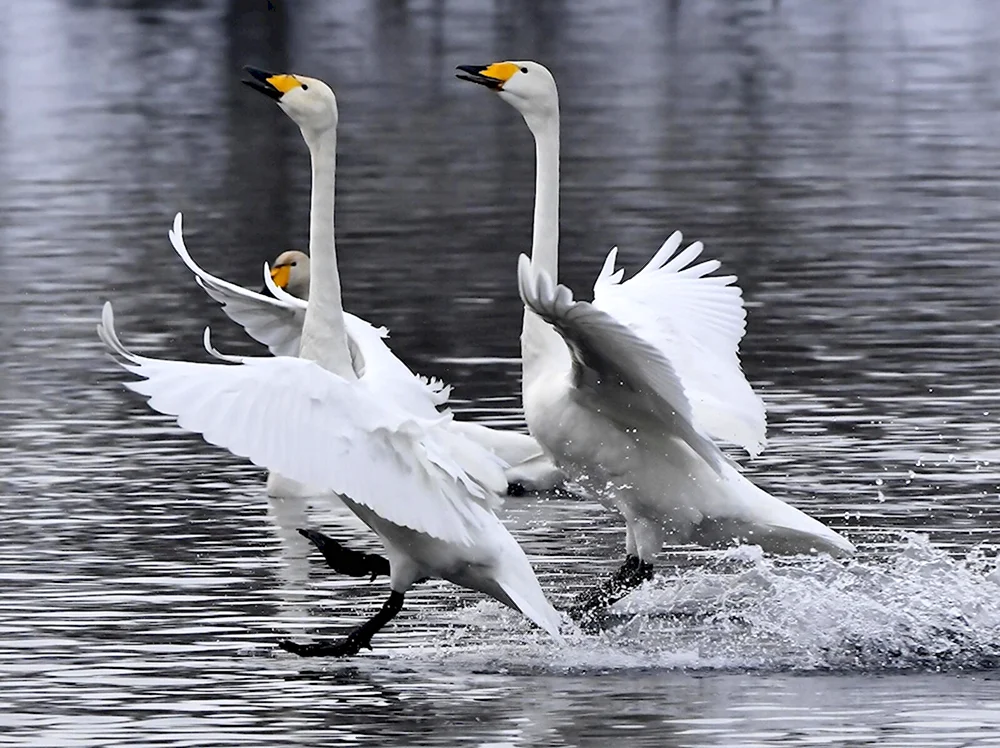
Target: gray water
x=841, y=158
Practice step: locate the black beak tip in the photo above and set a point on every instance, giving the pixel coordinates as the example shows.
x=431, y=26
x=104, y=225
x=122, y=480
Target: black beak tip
x=258, y=82
x=473, y=74
x=265, y=88
x=257, y=73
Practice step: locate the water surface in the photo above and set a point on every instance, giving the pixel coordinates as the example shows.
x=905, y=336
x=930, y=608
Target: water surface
x=840, y=158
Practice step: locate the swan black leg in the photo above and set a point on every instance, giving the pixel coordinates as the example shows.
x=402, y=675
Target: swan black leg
x=629, y=575
x=354, y=641
x=345, y=561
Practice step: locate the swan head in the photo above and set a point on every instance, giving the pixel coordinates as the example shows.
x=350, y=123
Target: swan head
x=527, y=86
x=308, y=101
x=290, y=272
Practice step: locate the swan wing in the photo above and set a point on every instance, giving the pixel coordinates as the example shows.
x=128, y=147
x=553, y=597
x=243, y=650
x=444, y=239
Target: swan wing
x=520, y=454
x=423, y=398
x=386, y=371
x=529, y=466
x=612, y=362
x=696, y=320
x=294, y=417
x=275, y=323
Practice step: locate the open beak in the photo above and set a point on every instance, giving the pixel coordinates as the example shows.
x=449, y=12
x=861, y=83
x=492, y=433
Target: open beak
x=492, y=76
x=272, y=85
x=260, y=81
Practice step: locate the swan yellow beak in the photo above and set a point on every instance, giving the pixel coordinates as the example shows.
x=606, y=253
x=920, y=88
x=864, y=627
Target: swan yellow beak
x=492, y=76
x=281, y=275
x=272, y=85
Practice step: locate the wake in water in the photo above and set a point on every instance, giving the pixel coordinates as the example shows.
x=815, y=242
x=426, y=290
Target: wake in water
x=918, y=609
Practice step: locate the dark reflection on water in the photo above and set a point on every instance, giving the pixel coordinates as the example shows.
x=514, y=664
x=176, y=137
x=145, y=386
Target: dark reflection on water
x=841, y=158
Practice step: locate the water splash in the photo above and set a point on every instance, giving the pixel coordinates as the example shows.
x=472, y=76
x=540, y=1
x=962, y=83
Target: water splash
x=917, y=609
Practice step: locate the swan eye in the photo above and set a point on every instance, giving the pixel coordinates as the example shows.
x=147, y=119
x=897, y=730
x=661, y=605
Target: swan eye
x=305, y=87
x=295, y=263
x=523, y=70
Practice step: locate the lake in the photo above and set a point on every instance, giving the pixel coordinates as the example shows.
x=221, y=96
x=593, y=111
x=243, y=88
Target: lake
x=841, y=158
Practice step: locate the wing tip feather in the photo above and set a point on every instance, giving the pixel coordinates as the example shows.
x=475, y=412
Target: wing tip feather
x=279, y=293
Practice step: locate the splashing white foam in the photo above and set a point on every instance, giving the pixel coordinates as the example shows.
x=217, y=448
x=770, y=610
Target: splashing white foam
x=920, y=608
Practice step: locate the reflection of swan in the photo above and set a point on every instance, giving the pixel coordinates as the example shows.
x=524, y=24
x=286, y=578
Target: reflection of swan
x=625, y=392
x=349, y=418
x=277, y=323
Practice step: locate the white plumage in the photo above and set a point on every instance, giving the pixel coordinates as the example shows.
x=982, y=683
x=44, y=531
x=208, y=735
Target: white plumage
x=378, y=440
x=627, y=404
x=276, y=321
x=291, y=415
x=626, y=393
x=349, y=418
x=697, y=320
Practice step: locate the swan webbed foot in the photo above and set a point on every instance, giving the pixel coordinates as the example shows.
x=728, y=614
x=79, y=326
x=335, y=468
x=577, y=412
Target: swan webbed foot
x=632, y=573
x=360, y=638
x=344, y=560
x=325, y=647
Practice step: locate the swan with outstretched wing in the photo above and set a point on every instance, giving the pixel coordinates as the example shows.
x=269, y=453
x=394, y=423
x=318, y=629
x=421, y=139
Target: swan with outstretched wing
x=277, y=323
x=627, y=393
x=347, y=418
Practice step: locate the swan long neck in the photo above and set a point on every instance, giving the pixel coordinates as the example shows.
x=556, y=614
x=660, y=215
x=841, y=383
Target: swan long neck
x=545, y=230
x=539, y=341
x=324, y=336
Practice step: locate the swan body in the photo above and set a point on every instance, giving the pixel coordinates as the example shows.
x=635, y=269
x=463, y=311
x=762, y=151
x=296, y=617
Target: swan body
x=627, y=393
x=276, y=321
x=346, y=419
x=377, y=440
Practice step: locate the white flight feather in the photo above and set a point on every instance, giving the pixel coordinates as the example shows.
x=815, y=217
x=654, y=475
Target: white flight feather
x=387, y=448
x=696, y=321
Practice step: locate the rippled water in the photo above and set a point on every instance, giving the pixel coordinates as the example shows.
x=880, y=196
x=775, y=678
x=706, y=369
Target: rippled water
x=841, y=158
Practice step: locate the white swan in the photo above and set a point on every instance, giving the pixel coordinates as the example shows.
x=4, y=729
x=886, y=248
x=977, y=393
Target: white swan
x=277, y=323
x=625, y=392
x=353, y=424
x=290, y=272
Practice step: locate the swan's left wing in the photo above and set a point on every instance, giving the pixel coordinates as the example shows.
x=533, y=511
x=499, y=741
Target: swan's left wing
x=623, y=371
x=273, y=322
x=696, y=320
x=333, y=434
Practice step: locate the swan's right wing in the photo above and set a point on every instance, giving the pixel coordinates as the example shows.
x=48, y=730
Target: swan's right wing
x=611, y=361
x=333, y=434
x=275, y=323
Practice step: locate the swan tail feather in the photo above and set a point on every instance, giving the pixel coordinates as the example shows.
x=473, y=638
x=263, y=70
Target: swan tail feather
x=526, y=594
x=777, y=527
